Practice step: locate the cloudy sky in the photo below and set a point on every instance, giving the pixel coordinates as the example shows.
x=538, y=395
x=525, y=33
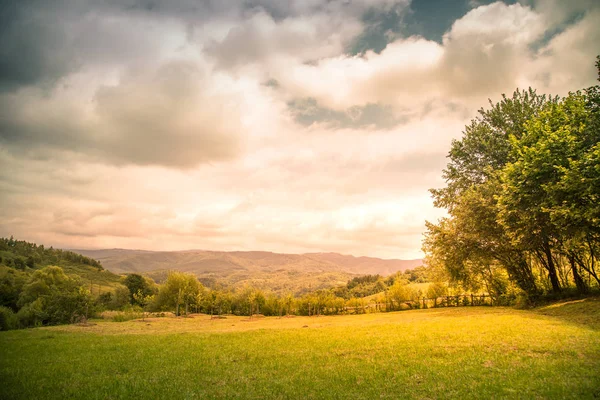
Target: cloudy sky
x=281, y=125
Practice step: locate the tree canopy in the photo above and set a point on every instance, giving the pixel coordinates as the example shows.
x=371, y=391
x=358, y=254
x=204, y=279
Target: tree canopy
x=522, y=191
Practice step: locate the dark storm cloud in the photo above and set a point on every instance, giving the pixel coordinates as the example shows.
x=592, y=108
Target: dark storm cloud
x=42, y=41
x=33, y=49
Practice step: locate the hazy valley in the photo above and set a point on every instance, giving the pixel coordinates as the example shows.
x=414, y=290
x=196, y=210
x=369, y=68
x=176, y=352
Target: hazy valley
x=296, y=273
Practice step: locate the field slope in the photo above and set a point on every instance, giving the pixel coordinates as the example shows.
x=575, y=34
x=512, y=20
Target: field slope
x=551, y=352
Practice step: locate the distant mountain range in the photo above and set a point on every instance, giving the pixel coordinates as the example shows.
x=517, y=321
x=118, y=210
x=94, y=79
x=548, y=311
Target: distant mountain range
x=278, y=272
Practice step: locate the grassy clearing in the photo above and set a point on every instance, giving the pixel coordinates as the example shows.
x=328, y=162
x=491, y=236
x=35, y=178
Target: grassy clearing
x=552, y=352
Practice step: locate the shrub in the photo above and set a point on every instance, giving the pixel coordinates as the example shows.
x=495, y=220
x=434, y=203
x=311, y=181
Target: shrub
x=507, y=299
x=51, y=297
x=120, y=298
x=32, y=314
x=522, y=301
x=8, y=319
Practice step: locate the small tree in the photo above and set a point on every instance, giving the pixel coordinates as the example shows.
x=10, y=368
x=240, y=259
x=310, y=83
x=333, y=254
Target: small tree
x=143, y=300
x=435, y=290
x=180, y=289
x=136, y=283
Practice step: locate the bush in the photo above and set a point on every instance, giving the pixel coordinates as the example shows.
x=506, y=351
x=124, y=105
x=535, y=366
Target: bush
x=32, y=314
x=466, y=301
x=523, y=301
x=8, y=319
x=120, y=299
x=507, y=299
x=51, y=297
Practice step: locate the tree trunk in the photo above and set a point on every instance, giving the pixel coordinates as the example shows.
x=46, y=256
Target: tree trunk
x=519, y=269
x=588, y=268
x=551, y=268
x=579, y=283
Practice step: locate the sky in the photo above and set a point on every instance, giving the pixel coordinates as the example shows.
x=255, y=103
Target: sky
x=287, y=126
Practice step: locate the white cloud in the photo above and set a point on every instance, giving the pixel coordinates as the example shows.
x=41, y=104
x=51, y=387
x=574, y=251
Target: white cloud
x=566, y=63
x=173, y=115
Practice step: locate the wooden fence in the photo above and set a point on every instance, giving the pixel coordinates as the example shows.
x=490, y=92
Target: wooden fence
x=463, y=300
x=456, y=301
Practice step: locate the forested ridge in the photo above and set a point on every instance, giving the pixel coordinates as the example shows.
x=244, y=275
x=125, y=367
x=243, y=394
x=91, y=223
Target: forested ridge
x=21, y=254
x=522, y=196
x=42, y=285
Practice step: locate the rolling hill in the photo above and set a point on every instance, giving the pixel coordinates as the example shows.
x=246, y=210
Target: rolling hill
x=26, y=257
x=296, y=273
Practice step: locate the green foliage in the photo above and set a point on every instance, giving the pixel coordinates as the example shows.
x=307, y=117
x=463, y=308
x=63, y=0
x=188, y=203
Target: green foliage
x=180, y=289
x=362, y=286
x=119, y=299
x=21, y=254
x=140, y=288
x=359, y=280
x=11, y=284
x=51, y=297
x=522, y=196
x=485, y=146
x=437, y=289
x=8, y=319
x=470, y=244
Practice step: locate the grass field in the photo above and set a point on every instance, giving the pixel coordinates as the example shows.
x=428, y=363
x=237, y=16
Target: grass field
x=478, y=352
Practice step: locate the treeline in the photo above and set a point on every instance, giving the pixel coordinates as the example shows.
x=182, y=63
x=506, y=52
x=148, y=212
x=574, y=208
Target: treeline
x=33, y=292
x=20, y=254
x=523, y=198
x=367, y=285
x=48, y=295
x=182, y=293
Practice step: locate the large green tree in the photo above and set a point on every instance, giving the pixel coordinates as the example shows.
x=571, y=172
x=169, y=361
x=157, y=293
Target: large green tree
x=549, y=200
x=470, y=243
x=522, y=194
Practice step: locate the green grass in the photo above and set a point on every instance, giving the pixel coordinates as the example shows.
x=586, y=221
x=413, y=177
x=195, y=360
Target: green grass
x=479, y=352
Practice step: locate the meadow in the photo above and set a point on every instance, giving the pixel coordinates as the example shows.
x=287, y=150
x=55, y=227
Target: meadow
x=466, y=352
